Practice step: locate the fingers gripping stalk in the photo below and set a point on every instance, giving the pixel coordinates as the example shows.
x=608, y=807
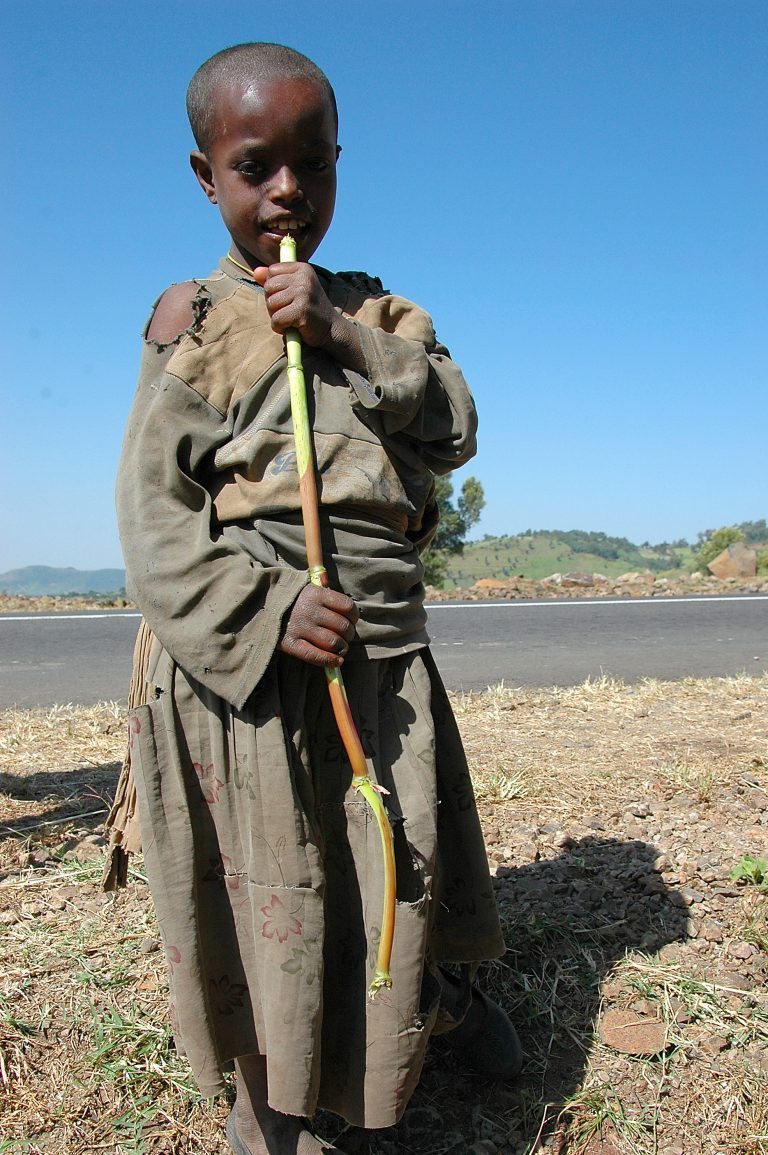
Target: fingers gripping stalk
x=361, y=779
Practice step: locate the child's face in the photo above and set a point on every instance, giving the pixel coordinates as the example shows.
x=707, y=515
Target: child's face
x=271, y=167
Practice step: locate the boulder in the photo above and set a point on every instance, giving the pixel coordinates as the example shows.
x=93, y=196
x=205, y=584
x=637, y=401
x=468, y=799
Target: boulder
x=576, y=579
x=736, y=561
x=644, y=577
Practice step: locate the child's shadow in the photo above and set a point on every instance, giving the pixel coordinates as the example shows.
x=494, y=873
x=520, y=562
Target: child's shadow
x=58, y=798
x=566, y=921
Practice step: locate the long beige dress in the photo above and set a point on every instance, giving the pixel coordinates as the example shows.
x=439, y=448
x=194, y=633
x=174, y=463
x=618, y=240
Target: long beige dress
x=265, y=868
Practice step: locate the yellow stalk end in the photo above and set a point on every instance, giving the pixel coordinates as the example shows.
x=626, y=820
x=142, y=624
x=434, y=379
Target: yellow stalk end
x=381, y=982
x=287, y=250
x=381, y=977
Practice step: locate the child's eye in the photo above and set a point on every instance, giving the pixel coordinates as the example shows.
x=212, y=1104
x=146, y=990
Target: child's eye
x=250, y=169
x=318, y=165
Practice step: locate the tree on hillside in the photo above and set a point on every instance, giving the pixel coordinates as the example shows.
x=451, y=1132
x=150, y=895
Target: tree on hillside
x=455, y=523
x=711, y=543
x=755, y=532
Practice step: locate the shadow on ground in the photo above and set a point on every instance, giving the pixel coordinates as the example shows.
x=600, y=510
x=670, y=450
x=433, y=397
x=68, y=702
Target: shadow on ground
x=81, y=796
x=567, y=921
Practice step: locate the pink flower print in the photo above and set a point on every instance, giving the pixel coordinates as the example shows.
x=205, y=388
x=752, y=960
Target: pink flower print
x=209, y=783
x=134, y=728
x=278, y=921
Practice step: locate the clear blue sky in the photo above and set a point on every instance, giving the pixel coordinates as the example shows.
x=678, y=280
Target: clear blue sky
x=575, y=189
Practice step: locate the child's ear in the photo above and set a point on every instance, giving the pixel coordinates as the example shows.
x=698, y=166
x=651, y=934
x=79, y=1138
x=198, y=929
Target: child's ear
x=202, y=170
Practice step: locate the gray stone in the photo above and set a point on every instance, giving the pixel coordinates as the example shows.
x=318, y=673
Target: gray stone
x=594, y=824
x=743, y=950
x=88, y=849
x=736, y=981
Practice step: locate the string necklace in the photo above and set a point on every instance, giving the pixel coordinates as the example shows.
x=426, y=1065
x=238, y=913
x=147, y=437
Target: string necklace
x=239, y=266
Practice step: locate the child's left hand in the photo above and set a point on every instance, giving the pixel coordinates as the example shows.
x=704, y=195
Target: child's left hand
x=320, y=626
x=296, y=300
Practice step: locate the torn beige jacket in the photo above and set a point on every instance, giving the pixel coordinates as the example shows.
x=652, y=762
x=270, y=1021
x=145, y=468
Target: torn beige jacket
x=208, y=496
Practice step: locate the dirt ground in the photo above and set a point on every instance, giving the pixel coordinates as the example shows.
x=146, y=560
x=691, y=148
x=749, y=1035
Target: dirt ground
x=627, y=831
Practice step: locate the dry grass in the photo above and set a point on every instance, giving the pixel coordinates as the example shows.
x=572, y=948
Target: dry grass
x=602, y=740
x=564, y=779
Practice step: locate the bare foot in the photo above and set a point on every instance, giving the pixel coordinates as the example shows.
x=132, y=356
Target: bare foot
x=260, y=1130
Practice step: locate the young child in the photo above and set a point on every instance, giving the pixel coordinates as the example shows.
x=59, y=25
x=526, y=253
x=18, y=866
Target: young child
x=265, y=868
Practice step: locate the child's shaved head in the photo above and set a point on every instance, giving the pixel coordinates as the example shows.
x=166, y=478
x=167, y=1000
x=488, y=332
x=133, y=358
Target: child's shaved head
x=242, y=64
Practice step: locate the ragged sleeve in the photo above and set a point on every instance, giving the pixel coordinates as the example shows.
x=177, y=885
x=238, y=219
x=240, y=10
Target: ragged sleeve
x=216, y=610
x=412, y=383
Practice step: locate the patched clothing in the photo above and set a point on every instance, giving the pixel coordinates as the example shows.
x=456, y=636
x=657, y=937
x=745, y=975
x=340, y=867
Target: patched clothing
x=208, y=495
x=265, y=867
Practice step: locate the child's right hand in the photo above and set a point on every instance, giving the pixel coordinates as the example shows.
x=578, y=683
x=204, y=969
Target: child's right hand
x=320, y=626
x=296, y=300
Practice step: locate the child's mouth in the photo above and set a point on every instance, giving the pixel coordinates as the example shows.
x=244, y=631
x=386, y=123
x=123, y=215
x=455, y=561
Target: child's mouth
x=285, y=226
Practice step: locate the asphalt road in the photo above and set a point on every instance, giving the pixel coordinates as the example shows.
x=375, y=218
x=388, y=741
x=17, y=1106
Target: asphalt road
x=86, y=658
x=548, y=643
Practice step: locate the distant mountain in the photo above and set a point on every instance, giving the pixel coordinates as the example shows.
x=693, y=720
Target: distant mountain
x=35, y=580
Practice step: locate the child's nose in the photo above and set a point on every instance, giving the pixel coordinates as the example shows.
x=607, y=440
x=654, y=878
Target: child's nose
x=285, y=185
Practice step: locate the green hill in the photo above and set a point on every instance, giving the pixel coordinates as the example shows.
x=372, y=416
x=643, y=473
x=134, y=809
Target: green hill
x=535, y=554
x=538, y=553
x=35, y=580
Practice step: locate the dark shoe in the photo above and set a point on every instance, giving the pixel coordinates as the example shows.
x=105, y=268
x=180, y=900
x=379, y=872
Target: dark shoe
x=485, y=1038
x=354, y=1141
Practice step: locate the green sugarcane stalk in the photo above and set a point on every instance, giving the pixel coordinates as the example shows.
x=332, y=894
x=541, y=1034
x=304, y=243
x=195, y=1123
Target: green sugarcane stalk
x=310, y=509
